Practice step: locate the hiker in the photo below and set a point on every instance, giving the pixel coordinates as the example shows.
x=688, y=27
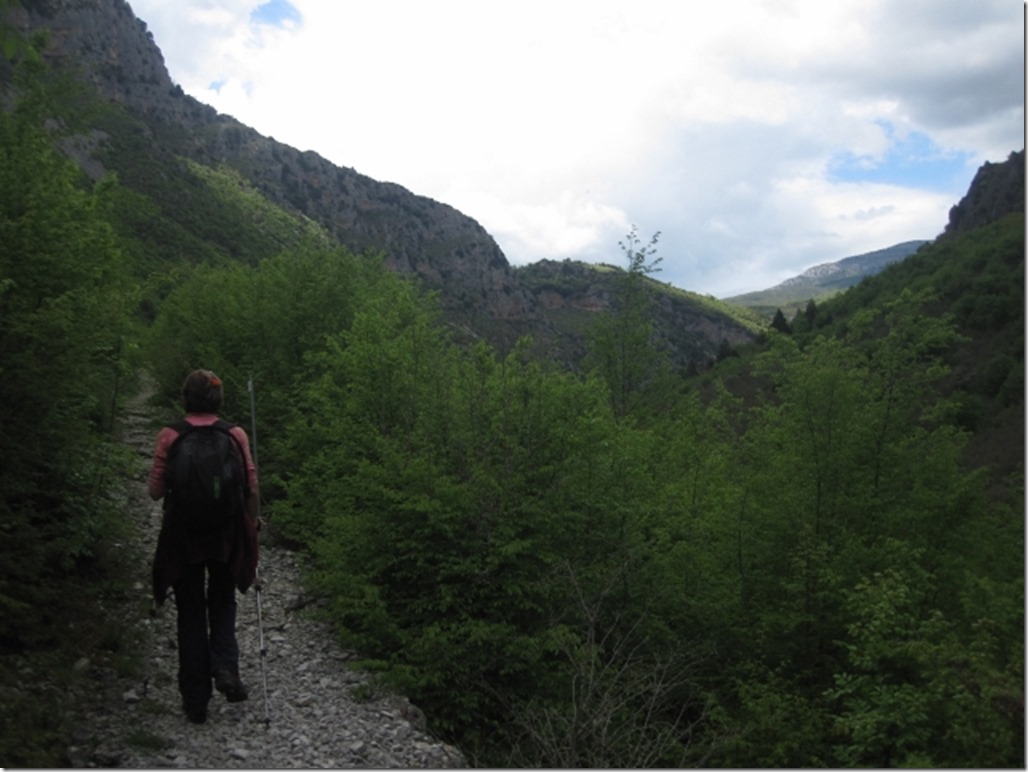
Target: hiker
x=205, y=557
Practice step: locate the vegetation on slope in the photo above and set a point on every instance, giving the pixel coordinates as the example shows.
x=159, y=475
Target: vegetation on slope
x=65, y=350
x=691, y=328
x=807, y=579
x=975, y=279
x=823, y=281
x=812, y=579
x=606, y=568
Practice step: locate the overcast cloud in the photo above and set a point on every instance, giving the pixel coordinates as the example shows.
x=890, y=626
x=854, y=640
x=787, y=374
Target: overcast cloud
x=760, y=138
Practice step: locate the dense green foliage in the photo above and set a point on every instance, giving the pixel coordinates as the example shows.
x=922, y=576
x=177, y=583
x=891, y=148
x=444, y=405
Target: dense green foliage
x=616, y=568
x=976, y=278
x=540, y=559
x=65, y=339
x=571, y=291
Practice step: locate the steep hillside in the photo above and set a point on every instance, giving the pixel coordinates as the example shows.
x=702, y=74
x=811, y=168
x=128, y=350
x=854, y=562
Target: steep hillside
x=113, y=51
x=823, y=281
x=692, y=328
x=977, y=278
x=996, y=190
x=975, y=273
x=184, y=168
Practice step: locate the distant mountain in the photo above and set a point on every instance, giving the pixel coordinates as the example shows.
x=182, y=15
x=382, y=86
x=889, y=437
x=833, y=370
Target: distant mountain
x=179, y=162
x=824, y=280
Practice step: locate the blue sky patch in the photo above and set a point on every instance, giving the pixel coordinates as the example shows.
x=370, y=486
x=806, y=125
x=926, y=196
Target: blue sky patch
x=276, y=13
x=913, y=161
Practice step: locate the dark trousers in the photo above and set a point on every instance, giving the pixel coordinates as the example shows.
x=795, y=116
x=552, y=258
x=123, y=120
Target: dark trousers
x=204, y=650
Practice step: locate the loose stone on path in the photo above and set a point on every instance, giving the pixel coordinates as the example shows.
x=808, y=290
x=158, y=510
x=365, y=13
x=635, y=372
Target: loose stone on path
x=314, y=720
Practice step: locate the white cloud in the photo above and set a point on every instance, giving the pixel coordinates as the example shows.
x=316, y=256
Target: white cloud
x=571, y=224
x=558, y=124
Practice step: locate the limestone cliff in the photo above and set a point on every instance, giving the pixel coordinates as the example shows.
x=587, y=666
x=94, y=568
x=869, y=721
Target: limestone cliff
x=104, y=42
x=105, y=45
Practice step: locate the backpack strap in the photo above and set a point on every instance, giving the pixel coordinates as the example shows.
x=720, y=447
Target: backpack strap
x=181, y=427
x=227, y=427
x=184, y=427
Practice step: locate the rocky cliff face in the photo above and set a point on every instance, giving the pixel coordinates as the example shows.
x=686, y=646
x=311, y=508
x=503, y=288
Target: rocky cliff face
x=115, y=53
x=996, y=190
x=479, y=292
x=690, y=328
x=449, y=251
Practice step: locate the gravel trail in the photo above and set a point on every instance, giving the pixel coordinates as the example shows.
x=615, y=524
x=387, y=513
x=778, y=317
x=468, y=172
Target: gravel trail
x=319, y=713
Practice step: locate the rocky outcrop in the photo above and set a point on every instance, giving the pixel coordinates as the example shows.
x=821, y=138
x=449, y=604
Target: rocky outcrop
x=996, y=190
x=689, y=327
x=107, y=46
x=449, y=251
x=479, y=292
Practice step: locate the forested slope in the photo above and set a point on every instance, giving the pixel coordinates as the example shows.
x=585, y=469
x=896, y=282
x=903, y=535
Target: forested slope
x=975, y=279
x=615, y=569
x=786, y=561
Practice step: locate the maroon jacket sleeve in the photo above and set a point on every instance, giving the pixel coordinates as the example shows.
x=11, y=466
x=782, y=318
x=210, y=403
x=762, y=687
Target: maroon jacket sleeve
x=156, y=482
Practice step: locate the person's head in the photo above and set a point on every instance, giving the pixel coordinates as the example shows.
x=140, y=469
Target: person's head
x=202, y=392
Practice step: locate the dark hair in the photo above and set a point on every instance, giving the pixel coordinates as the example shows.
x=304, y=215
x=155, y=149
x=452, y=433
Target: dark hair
x=202, y=392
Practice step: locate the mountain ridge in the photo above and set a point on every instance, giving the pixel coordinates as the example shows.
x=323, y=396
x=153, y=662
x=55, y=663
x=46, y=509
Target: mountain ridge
x=114, y=52
x=481, y=295
x=450, y=253
x=825, y=279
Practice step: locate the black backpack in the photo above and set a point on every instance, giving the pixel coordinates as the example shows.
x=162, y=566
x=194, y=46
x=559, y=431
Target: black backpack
x=206, y=480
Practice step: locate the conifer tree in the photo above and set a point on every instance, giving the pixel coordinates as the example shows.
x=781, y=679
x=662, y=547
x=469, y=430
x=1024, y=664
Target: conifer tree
x=779, y=323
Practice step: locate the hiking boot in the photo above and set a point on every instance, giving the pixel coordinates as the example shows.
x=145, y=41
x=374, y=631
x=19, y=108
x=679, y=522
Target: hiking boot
x=228, y=683
x=197, y=714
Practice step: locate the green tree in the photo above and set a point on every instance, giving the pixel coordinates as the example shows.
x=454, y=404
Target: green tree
x=64, y=344
x=13, y=45
x=810, y=313
x=622, y=350
x=779, y=323
x=259, y=322
x=63, y=330
x=913, y=693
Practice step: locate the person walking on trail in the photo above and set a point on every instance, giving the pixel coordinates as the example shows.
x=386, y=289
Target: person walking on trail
x=207, y=547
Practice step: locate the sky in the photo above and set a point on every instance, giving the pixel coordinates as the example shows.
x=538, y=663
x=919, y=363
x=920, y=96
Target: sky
x=757, y=137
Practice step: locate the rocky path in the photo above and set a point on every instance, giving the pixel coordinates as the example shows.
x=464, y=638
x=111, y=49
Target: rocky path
x=319, y=712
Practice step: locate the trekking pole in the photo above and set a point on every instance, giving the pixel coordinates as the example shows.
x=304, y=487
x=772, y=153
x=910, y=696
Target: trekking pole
x=263, y=649
x=256, y=575
x=151, y=618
